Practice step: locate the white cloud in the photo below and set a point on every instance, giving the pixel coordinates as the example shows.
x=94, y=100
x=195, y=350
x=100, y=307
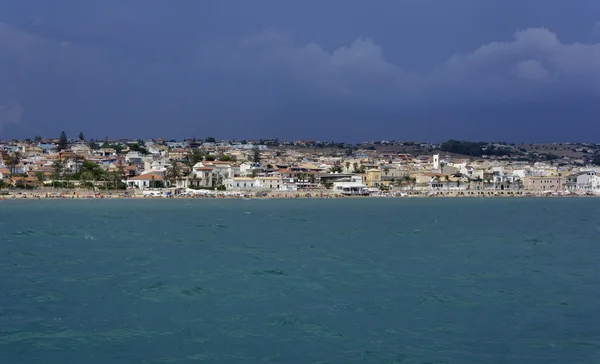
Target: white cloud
x=272, y=61
x=539, y=45
x=356, y=70
x=534, y=54
x=532, y=71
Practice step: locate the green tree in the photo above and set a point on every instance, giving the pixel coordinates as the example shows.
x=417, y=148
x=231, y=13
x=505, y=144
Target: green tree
x=13, y=161
x=138, y=147
x=255, y=154
x=86, y=178
x=94, y=169
x=63, y=142
x=227, y=158
x=210, y=140
x=68, y=177
x=78, y=159
x=40, y=176
x=174, y=173
x=115, y=177
x=195, y=157
x=37, y=138
x=93, y=145
x=58, y=167
x=121, y=169
x=81, y=137
x=210, y=157
x=336, y=169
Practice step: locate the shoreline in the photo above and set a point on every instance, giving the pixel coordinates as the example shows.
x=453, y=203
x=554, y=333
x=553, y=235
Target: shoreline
x=122, y=195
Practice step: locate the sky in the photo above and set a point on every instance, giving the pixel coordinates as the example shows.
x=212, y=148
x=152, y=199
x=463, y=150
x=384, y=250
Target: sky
x=340, y=70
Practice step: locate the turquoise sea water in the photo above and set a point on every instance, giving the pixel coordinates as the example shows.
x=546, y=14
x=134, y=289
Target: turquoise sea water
x=300, y=281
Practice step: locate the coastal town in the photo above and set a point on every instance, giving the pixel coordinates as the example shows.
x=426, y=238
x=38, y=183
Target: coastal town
x=207, y=167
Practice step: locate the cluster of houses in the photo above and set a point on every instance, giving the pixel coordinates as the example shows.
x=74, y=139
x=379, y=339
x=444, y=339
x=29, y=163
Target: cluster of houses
x=249, y=166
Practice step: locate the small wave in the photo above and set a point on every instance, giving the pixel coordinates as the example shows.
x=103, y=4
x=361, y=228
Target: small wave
x=24, y=233
x=270, y=272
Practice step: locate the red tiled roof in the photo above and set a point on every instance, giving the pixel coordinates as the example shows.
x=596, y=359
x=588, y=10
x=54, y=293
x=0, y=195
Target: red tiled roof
x=147, y=177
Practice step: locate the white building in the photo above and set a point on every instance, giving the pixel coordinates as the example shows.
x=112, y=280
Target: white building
x=258, y=183
x=145, y=181
x=584, y=182
x=353, y=187
x=436, y=162
x=269, y=183
x=159, y=165
x=240, y=184
x=133, y=157
x=245, y=169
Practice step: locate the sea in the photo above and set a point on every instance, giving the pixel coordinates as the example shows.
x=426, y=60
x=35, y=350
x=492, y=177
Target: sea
x=424, y=281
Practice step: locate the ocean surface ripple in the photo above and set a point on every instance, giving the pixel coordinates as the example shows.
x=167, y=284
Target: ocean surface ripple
x=300, y=281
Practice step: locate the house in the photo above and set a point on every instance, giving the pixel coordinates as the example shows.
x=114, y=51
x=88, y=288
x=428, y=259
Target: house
x=134, y=157
x=209, y=174
x=106, y=152
x=271, y=183
x=307, y=180
x=246, y=169
x=373, y=177
x=202, y=176
x=448, y=183
x=158, y=165
x=29, y=149
x=288, y=184
x=178, y=153
x=283, y=173
x=222, y=169
x=47, y=147
x=26, y=181
x=4, y=173
x=426, y=178
x=155, y=150
x=391, y=172
x=585, y=182
x=240, y=183
x=148, y=180
x=543, y=183
x=353, y=187
x=81, y=149
x=471, y=172
x=107, y=161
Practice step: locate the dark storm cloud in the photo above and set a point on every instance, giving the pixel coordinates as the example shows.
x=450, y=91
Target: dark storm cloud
x=332, y=70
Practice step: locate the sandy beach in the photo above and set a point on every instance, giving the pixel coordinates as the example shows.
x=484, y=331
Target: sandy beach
x=85, y=194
